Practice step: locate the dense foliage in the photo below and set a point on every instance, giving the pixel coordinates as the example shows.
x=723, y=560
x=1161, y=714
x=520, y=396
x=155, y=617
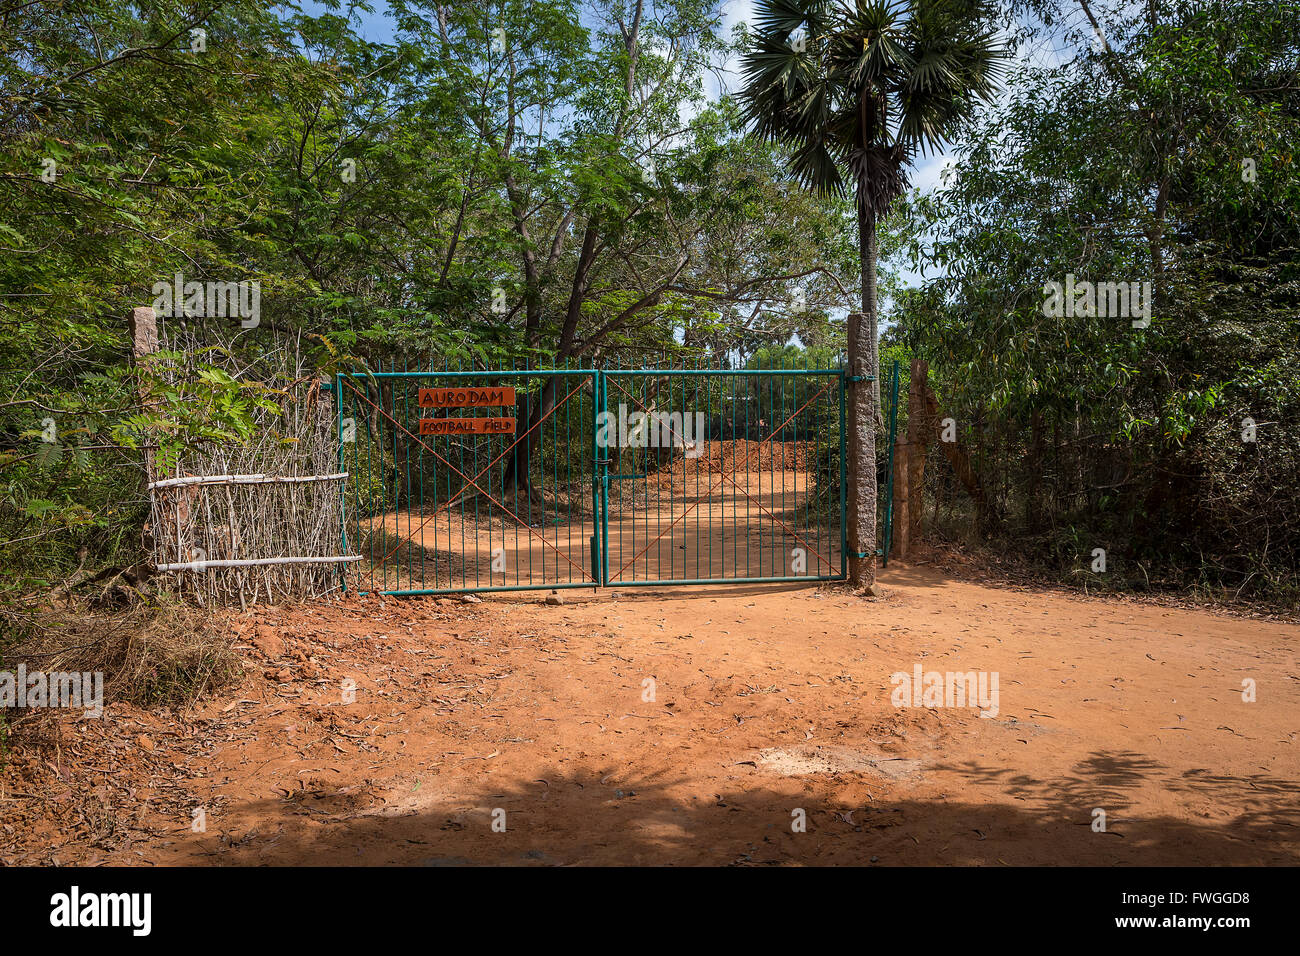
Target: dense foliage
x=516, y=181
x=509, y=182
x=1165, y=155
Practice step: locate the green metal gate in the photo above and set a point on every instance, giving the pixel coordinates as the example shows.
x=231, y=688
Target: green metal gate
x=469, y=480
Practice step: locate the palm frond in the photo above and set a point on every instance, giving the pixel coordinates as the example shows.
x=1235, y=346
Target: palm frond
x=876, y=82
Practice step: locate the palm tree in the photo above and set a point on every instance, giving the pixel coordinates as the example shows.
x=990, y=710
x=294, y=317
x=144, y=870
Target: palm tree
x=856, y=89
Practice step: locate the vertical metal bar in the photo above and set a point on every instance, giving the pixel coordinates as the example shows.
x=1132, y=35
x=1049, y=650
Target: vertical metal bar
x=528, y=411
x=392, y=402
x=392, y=410
x=687, y=409
x=390, y=553
x=780, y=417
x=766, y=395
x=370, y=495
x=770, y=386
x=419, y=461
x=752, y=533
x=595, y=493
x=820, y=428
x=604, y=492
x=432, y=481
x=470, y=525
x=568, y=478
x=659, y=541
x=555, y=482
x=691, y=406
x=343, y=485
x=657, y=455
x=708, y=524
x=636, y=390
x=623, y=466
x=646, y=488
x=615, y=447
x=406, y=415
x=725, y=382
x=735, y=385
x=528, y=476
x=778, y=545
x=749, y=388
x=780, y=556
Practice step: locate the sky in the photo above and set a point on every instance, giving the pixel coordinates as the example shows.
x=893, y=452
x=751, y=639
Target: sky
x=925, y=174
x=379, y=28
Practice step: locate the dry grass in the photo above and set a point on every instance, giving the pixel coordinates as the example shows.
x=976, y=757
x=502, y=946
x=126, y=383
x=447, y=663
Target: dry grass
x=65, y=778
x=161, y=654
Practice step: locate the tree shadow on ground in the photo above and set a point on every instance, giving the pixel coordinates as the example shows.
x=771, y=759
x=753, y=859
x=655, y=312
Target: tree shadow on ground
x=587, y=816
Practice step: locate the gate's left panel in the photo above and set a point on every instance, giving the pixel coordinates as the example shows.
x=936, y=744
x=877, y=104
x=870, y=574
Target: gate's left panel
x=468, y=480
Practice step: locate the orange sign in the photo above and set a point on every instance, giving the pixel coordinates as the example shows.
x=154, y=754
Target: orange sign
x=467, y=426
x=468, y=397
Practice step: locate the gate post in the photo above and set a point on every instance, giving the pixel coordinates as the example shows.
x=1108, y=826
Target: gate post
x=143, y=328
x=334, y=385
x=862, y=455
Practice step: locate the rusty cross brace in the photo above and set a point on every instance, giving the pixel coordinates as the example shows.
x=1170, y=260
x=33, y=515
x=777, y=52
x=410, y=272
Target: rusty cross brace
x=724, y=475
x=728, y=477
x=483, y=471
x=473, y=482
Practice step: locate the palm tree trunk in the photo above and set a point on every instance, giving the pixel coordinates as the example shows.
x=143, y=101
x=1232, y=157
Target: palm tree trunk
x=862, y=411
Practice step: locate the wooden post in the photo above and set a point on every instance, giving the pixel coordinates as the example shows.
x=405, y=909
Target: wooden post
x=144, y=332
x=144, y=341
x=143, y=327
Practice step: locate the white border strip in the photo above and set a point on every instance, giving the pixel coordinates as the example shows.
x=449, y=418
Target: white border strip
x=241, y=480
x=251, y=562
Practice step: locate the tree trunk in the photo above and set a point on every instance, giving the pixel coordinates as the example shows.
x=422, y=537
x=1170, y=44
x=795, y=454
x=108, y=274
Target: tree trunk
x=862, y=413
x=960, y=459
x=516, y=477
x=1035, y=468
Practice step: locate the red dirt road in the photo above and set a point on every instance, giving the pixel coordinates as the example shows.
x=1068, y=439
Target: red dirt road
x=767, y=701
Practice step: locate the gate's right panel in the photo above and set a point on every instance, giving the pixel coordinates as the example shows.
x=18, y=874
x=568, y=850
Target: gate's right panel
x=723, y=475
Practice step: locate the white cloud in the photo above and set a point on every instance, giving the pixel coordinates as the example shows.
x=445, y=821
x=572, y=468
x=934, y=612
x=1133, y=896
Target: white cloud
x=734, y=12
x=929, y=173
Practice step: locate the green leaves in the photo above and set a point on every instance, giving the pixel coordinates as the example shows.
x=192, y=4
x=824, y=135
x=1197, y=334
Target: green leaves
x=872, y=85
x=1121, y=167
x=379, y=193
